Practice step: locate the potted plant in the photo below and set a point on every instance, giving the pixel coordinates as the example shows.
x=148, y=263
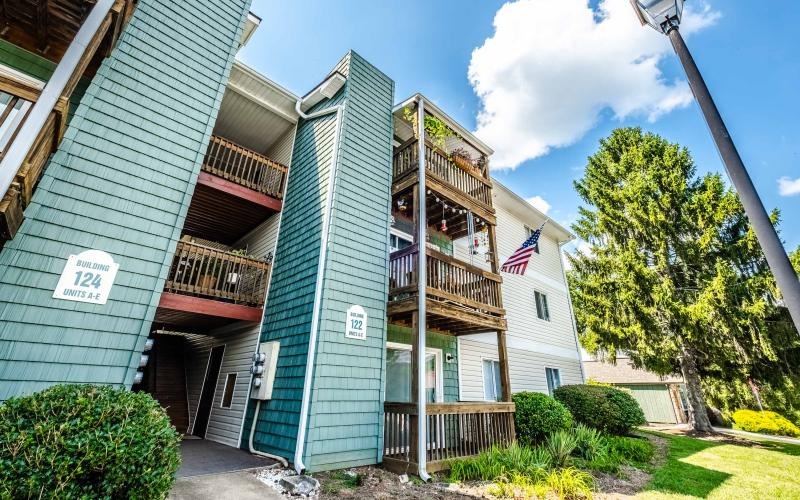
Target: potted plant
x=233, y=277
x=462, y=159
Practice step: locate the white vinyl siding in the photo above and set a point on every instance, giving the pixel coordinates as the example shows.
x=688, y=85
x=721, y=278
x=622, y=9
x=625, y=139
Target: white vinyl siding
x=526, y=369
x=260, y=242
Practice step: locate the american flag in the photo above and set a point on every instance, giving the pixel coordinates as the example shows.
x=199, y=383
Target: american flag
x=518, y=262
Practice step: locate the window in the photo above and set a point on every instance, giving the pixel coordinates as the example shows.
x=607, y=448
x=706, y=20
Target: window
x=398, y=374
x=542, y=311
x=553, y=379
x=397, y=242
x=227, y=393
x=528, y=234
x=491, y=380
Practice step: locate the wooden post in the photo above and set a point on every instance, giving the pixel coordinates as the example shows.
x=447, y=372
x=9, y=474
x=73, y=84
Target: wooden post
x=493, y=250
x=502, y=353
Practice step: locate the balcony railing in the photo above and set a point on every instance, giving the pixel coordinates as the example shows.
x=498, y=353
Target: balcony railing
x=447, y=279
x=454, y=430
x=245, y=167
x=203, y=271
x=468, y=181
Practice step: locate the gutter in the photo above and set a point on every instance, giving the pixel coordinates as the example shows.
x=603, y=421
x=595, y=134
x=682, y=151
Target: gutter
x=299, y=466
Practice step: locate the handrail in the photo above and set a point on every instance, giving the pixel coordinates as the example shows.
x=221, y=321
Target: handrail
x=245, y=167
x=447, y=279
x=205, y=271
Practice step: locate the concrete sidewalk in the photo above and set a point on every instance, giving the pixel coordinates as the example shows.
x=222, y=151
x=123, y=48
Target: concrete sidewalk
x=753, y=435
x=242, y=485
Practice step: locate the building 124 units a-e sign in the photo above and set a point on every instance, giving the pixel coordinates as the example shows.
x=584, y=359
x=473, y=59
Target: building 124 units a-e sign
x=87, y=277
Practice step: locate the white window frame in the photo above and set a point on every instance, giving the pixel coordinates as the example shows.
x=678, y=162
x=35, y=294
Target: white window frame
x=557, y=373
x=545, y=303
x=528, y=232
x=437, y=355
x=398, y=234
x=483, y=378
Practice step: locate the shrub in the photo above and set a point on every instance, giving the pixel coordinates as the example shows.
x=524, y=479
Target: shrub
x=537, y=415
x=83, y=441
x=561, y=444
x=607, y=409
x=589, y=442
x=631, y=451
x=765, y=422
x=570, y=483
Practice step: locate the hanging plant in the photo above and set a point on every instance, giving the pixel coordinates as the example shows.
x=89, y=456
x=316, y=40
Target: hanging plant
x=436, y=130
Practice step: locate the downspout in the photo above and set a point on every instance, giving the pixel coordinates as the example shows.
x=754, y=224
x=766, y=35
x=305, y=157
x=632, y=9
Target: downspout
x=261, y=453
x=571, y=311
x=422, y=229
x=299, y=466
x=18, y=150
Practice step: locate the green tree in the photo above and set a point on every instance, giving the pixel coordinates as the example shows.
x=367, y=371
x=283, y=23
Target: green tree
x=674, y=277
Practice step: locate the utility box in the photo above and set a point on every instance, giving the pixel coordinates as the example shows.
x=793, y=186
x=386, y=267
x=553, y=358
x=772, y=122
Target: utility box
x=265, y=362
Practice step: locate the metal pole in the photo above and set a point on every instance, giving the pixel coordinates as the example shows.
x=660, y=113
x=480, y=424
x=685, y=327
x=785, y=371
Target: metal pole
x=778, y=261
x=422, y=273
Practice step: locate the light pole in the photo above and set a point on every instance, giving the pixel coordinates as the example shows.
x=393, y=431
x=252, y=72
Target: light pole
x=665, y=16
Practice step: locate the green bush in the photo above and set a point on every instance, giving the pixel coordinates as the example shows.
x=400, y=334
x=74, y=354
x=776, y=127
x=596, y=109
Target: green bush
x=590, y=443
x=84, y=441
x=537, y=415
x=606, y=409
x=764, y=422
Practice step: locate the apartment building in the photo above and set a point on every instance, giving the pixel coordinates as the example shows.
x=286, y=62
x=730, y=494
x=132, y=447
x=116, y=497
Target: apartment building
x=177, y=223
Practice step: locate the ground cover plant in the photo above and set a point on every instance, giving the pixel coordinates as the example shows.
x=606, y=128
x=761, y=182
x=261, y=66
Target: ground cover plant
x=84, y=441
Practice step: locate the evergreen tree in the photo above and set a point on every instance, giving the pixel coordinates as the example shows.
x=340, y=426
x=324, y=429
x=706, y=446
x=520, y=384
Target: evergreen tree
x=675, y=277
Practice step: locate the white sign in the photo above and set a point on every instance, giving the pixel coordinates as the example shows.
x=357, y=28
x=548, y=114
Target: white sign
x=356, y=326
x=87, y=277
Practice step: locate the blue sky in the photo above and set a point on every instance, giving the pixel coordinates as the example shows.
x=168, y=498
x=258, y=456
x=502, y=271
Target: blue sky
x=563, y=64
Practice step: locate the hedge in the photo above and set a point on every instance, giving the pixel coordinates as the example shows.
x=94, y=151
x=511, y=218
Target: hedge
x=607, y=409
x=764, y=422
x=85, y=441
x=538, y=415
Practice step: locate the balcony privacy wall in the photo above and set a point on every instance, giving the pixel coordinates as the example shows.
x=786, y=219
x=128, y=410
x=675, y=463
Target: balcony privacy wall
x=345, y=418
x=121, y=182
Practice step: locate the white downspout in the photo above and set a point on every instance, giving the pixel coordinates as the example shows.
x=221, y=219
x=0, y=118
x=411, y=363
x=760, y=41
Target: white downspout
x=261, y=453
x=18, y=150
x=312, y=339
x=422, y=228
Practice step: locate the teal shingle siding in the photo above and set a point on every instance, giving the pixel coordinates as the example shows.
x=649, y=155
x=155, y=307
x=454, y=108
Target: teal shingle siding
x=121, y=181
x=447, y=343
x=345, y=417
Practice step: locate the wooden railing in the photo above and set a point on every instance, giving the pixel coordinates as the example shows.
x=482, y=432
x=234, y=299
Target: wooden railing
x=453, y=430
x=438, y=164
x=247, y=168
x=447, y=279
x=207, y=272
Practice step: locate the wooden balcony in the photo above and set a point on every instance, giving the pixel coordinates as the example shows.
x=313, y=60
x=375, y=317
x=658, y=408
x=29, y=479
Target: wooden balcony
x=465, y=186
x=236, y=191
x=205, y=283
x=454, y=430
x=461, y=298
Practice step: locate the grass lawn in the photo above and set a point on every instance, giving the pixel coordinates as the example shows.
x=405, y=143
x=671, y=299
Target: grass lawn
x=714, y=470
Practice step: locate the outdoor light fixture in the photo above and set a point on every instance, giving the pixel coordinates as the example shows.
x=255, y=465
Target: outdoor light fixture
x=665, y=17
x=662, y=15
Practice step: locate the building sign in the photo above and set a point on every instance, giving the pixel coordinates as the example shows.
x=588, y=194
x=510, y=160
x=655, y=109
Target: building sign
x=356, y=327
x=87, y=277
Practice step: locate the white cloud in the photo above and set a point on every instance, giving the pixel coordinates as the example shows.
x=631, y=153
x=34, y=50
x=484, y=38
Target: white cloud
x=539, y=203
x=788, y=187
x=552, y=66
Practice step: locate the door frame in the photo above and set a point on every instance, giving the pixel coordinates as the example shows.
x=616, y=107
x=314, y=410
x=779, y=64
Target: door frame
x=203, y=386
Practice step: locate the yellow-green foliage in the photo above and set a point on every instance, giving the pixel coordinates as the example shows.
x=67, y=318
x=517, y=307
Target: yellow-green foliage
x=765, y=422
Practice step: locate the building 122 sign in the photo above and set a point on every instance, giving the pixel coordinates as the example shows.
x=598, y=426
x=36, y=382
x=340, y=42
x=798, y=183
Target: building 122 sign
x=356, y=327
x=87, y=277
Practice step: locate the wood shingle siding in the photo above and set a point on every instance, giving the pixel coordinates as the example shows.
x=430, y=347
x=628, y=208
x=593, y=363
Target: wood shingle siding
x=344, y=425
x=121, y=181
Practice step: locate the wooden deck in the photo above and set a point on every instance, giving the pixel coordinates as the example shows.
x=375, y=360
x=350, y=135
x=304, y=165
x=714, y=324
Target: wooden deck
x=454, y=430
x=245, y=167
x=460, y=298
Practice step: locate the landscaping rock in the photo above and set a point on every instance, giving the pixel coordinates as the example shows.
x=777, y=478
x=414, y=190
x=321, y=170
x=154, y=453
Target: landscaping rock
x=403, y=478
x=299, y=485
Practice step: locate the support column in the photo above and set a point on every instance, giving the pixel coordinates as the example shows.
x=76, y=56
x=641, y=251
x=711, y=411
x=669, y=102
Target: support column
x=502, y=355
x=413, y=420
x=419, y=355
